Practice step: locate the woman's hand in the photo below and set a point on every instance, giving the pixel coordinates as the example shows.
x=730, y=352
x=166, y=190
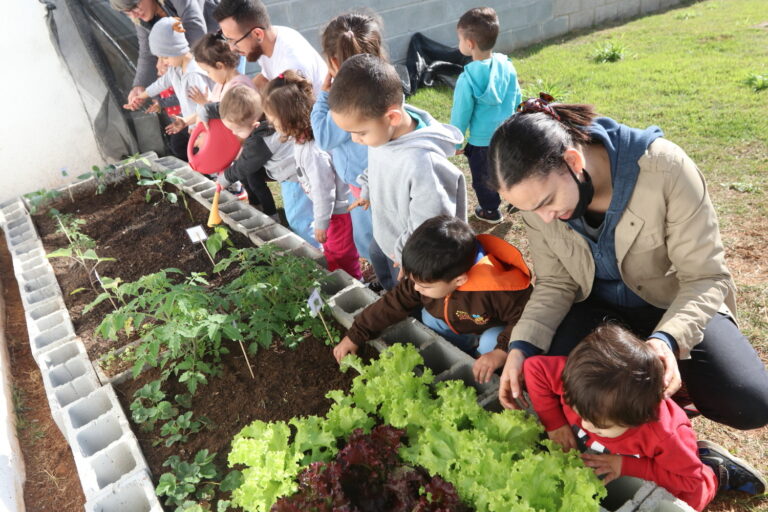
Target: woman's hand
x=564, y=437
x=511, y=385
x=672, y=379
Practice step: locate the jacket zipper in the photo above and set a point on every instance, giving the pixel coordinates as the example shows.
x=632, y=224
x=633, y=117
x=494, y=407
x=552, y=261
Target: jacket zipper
x=445, y=313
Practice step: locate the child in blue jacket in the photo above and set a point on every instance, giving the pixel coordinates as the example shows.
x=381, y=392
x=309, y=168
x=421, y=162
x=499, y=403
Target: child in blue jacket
x=486, y=93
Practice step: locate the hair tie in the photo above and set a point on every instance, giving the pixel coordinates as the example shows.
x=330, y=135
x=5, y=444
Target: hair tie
x=281, y=76
x=540, y=104
x=177, y=26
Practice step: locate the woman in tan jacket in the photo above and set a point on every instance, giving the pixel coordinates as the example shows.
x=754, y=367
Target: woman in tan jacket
x=621, y=228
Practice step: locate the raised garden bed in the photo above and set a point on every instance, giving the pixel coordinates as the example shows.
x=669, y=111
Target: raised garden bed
x=114, y=471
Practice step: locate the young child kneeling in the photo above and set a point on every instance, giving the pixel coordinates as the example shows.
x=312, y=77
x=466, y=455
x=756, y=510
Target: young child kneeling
x=288, y=104
x=469, y=286
x=607, y=398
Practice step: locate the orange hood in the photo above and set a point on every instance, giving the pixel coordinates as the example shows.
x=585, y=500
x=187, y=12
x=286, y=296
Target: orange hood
x=501, y=269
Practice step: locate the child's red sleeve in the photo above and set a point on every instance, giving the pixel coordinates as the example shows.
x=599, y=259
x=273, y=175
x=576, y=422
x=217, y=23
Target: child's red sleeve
x=543, y=380
x=675, y=465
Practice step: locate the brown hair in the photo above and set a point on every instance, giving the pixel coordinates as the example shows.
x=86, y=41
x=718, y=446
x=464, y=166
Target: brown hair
x=211, y=48
x=351, y=34
x=612, y=377
x=289, y=98
x=366, y=85
x=246, y=13
x=531, y=143
x=241, y=105
x=480, y=25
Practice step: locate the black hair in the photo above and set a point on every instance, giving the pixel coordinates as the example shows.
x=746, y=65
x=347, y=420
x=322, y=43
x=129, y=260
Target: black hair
x=480, y=25
x=366, y=85
x=614, y=377
x=441, y=249
x=211, y=48
x=532, y=143
x=246, y=13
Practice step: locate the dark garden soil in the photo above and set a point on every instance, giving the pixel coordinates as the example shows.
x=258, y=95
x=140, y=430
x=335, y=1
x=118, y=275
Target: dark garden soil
x=143, y=238
x=52, y=483
x=288, y=383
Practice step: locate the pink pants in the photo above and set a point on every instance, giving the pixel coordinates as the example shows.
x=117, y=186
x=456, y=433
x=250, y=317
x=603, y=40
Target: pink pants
x=340, y=249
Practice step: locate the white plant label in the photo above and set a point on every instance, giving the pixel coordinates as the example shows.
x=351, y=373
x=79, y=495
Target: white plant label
x=315, y=302
x=197, y=234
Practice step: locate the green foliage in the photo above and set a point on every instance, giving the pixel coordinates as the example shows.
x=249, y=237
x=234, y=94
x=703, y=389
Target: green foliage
x=149, y=406
x=496, y=461
x=745, y=188
x=39, y=197
x=189, y=483
x=608, y=51
x=99, y=175
x=531, y=89
x=757, y=82
x=217, y=240
x=178, y=429
x=158, y=180
x=81, y=248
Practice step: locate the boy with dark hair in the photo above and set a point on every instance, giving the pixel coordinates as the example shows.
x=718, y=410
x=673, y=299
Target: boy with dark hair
x=471, y=288
x=409, y=177
x=486, y=94
x=607, y=398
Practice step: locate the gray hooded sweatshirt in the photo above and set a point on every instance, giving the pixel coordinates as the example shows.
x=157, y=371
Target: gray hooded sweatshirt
x=410, y=180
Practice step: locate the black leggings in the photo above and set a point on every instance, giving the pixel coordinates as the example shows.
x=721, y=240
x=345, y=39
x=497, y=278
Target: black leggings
x=178, y=144
x=724, y=376
x=258, y=191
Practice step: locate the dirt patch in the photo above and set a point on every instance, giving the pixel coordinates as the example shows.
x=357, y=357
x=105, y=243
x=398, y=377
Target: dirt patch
x=287, y=384
x=745, y=247
x=52, y=482
x=143, y=238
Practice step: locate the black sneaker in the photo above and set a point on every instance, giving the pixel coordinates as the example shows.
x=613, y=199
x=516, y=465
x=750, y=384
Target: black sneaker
x=734, y=474
x=489, y=216
x=375, y=287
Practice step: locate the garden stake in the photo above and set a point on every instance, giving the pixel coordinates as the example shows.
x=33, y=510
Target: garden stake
x=213, y=262
x=330, y=338
x=245, y=354
x=214, y=218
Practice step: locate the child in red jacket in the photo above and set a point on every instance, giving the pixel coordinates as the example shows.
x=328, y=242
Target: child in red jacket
x=606, y=399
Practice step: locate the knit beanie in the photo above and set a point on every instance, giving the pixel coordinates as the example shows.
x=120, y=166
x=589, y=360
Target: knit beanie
x=166, y=39
x=123, y=5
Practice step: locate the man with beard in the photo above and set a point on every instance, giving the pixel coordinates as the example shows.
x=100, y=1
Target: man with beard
x=246, y=27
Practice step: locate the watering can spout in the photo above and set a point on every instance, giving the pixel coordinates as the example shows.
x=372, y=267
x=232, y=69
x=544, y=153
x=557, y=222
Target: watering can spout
x=214, y=218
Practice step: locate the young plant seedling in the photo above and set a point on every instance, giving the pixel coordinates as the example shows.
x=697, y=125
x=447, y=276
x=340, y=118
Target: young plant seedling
x=99, y=175
x=40, y=197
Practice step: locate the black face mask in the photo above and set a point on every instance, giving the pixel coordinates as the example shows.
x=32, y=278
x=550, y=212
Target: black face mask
x=586, y=191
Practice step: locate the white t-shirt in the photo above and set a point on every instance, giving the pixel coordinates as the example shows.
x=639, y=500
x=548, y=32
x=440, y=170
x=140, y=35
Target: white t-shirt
x=292, y=51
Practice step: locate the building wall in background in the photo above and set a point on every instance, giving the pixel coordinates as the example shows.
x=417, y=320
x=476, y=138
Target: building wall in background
x=44, y=127
x=523, y=22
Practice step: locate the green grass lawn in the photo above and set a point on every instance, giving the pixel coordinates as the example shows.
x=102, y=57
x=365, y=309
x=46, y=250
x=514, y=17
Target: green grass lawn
x=688, y=71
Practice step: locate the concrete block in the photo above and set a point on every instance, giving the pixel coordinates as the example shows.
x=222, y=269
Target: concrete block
x=254, y=220
x=335, y=282
x=22, y=232
x=606, y=13
x=90, y=407
x=296, y=245
x=625, y=494
x=52, y=337
x=649, y=6
x=66, y=386
x=555, y=27
x=171, y=163
x=409, y=331
x=48, y=322
x=436, y=357
x=660, y=500
x=100, y=433
x=354, y=300
x=36, y=272
x=270, y=232
x=44, y=309
x=582, y=19
x=19, y=220
x=51, y=357
x=490, y=401
x=29, y=260
x=627, y=8
x=134, y=492
x=109, y=465
x=561, y=7
x=26, y=247
x=40, y=295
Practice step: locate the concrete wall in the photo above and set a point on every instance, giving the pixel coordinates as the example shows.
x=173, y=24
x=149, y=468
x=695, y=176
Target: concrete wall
x=44, y=126
x=523, y=22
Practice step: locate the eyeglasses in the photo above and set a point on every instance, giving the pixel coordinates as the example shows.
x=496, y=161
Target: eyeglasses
x=232, y=42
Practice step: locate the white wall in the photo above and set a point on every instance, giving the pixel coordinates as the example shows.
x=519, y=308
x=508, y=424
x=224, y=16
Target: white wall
x=44, y=127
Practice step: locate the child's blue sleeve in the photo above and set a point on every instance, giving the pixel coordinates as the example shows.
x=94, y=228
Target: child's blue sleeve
x=159, y=85
x=327, y=134
x=463, y=105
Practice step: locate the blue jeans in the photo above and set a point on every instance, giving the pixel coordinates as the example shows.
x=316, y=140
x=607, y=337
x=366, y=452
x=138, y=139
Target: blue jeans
x=298, y=211
x=385, y=269
x=362, y=229
x=477, y=156
x=466, y=342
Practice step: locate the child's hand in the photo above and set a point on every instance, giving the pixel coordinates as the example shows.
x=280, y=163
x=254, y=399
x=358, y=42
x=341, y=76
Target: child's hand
x=364, y=203
x=459, y=151
x=486, y=364
x=196, y=95
x=177, y=124
x=154, y=108
x=564, y=437
x=327, y=82
x=134, y=103
x=345, y=346
x=321, y=235
x=606, y=465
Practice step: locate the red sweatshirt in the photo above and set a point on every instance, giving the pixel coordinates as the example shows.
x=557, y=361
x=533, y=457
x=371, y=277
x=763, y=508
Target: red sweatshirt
x=662, y=451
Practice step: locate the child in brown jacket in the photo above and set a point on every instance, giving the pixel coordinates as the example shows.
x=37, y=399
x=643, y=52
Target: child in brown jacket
x=472, y=289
